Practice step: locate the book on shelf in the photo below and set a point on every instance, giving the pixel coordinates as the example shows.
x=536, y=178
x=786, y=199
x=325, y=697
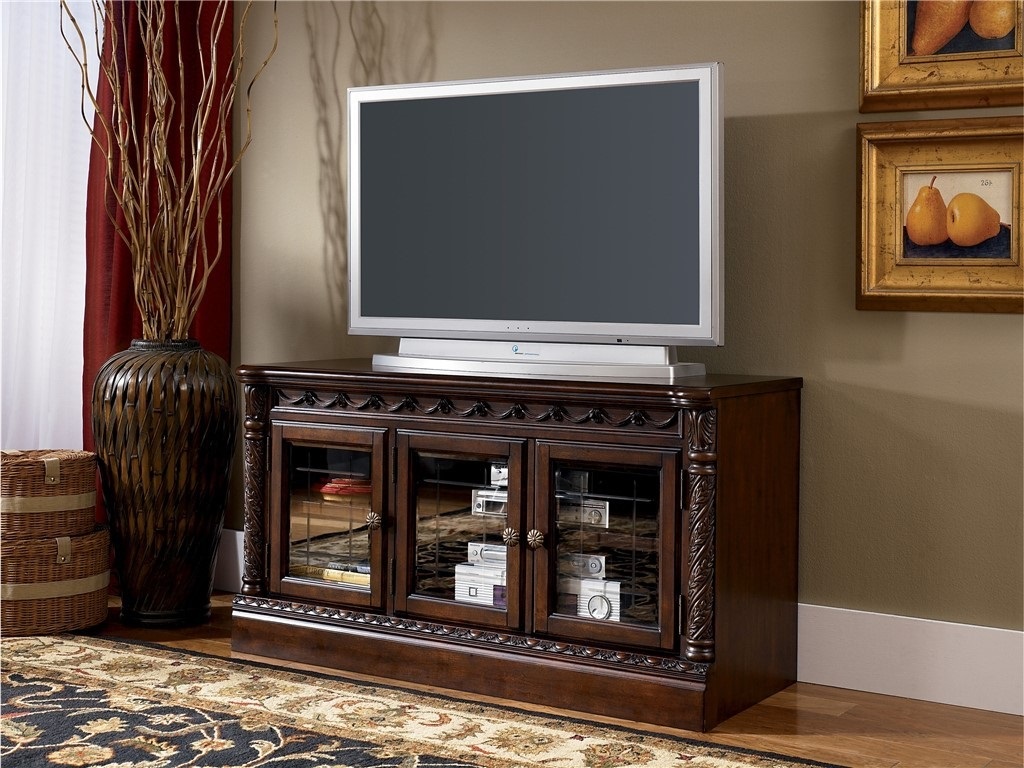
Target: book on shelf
x=343, y=488
x=351, y=575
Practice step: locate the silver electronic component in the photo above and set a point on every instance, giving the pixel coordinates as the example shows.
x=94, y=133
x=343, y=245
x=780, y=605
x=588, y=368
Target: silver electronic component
x=592, y=598
x=585, y=511
x=582, y=566
x=487, y=554
x=488, y=502
x=498, y=474
x=480, y=584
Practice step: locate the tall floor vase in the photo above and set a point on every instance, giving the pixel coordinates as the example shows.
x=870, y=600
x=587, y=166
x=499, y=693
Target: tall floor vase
x=165, y=415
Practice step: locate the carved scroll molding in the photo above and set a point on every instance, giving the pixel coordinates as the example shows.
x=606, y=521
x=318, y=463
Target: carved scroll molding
x=449, y=407
x=376, y=622
x=702, y=458
x=254, y=447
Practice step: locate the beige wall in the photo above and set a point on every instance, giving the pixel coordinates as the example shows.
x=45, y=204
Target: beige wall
x=911, y=490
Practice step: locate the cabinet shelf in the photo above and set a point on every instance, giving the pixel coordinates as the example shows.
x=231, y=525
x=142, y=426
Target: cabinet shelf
x=587, y=496
x=331, y=472
x=636, y=559
x=458, y=484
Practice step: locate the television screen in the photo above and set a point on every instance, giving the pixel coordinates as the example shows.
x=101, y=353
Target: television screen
x=570, y=208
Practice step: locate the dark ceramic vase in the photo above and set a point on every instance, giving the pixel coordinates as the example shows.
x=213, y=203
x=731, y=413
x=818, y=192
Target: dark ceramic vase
x=164, y=418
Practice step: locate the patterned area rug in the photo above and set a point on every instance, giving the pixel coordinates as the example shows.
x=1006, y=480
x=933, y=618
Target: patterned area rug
x=85, y=701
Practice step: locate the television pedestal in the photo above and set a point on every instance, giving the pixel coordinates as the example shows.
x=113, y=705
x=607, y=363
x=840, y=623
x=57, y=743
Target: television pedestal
x=545, y=360
x=622, y=549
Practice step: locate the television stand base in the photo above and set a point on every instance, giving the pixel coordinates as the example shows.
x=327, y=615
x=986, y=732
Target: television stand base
x=594, y=362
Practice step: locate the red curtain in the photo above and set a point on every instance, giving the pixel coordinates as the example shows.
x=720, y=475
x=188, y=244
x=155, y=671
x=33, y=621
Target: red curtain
x=111, y=316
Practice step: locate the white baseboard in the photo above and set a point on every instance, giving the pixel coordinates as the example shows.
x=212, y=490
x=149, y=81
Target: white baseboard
x=227, y=573
x=960, y=664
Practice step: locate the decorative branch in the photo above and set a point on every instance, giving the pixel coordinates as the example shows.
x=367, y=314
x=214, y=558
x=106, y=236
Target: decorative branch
x=165, y=173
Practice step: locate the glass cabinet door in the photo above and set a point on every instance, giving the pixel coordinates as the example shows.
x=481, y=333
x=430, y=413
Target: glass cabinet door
x=609, y=521
x=330, y=514
x=461, y=537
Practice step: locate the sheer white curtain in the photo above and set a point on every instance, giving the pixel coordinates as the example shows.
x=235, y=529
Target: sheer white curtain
x=45, y=163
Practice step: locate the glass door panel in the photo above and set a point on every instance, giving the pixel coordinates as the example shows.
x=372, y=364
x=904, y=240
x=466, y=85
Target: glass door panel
x=464, y=514
x=460, y=516
x=329, y=514
x=607, y=543
x=607, y=520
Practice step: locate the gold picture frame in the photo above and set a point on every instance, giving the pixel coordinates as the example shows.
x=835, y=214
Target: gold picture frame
x=968, y=70
x=973, y=170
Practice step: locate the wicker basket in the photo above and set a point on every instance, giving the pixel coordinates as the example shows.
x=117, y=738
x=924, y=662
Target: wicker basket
x=45, y=494
x=54, y=585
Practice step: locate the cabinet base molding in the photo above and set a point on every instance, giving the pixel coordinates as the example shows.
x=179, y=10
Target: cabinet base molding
x=584, y=679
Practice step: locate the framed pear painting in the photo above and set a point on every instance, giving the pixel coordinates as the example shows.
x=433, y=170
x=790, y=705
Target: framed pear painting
x=939, y=54
x=940, y=215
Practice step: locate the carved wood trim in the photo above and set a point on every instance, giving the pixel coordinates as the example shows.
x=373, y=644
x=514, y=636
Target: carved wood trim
x=397, y=624
x=254, y=447
x=444, y=406
x=702, y=458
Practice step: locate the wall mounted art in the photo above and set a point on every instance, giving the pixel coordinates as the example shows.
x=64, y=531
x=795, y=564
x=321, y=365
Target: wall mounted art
x=932, y=54
x=940, y=215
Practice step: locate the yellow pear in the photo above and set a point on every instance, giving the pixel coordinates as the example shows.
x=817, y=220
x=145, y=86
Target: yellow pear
x=970, y=220
x=936, y=23
x=926, y=219
x=993, y=19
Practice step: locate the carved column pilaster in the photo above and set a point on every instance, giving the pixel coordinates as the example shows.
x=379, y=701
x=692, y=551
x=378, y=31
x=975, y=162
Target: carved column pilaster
x=254, y=446
x=702, y=469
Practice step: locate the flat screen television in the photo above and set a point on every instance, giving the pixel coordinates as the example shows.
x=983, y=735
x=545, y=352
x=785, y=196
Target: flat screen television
x=566, y=226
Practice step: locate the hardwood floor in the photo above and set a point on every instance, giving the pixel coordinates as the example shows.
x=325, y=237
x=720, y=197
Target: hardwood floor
x=810, y=721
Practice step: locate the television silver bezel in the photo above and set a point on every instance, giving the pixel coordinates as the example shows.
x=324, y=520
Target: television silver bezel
x=708, y=332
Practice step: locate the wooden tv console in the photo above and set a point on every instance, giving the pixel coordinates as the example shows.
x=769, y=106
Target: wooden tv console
x=623, y=549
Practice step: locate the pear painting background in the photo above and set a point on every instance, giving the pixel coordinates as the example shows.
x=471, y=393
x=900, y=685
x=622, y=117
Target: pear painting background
x=962, y=215
x=941, y=27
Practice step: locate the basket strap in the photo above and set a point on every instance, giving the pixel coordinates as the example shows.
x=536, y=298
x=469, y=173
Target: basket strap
x=48, y=589
x=63, y=549
x=51, y=470
x=48, y=503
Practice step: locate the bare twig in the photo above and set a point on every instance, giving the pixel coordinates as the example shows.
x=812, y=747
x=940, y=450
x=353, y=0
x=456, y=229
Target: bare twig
x=165, y=174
